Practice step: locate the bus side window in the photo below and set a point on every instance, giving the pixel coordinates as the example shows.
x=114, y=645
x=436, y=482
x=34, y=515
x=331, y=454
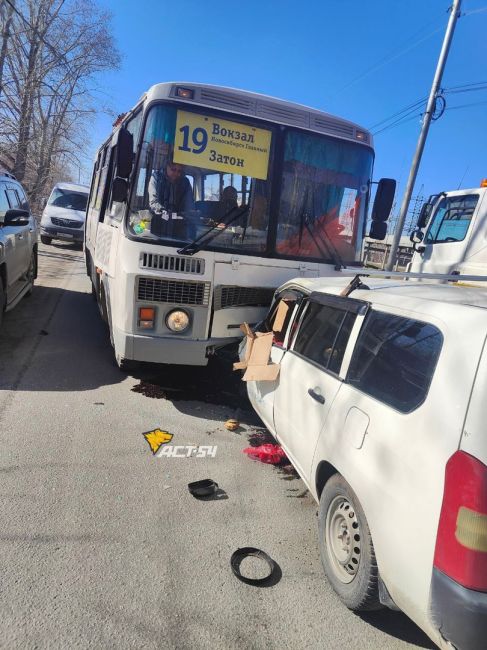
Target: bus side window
x=114, y=208
x=95, y=181
x=101, y=201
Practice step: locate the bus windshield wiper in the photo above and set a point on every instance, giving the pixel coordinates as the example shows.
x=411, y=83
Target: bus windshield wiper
x=227, y=220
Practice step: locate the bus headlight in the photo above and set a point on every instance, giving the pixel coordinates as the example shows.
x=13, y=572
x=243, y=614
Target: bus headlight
x=177, y=320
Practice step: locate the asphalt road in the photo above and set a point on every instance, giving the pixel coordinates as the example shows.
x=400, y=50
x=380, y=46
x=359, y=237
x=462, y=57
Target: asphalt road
x=101, y=544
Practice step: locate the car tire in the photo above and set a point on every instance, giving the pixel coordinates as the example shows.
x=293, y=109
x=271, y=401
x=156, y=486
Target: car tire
x=347, y=551
x=2, y=301
x=46, y=240
x=32, y=272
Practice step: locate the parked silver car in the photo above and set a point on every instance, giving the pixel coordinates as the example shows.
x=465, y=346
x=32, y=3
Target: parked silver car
x=64, y=215
x=18, y=244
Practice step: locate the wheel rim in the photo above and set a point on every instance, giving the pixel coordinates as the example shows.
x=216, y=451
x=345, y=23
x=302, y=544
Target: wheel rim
x=343, y=540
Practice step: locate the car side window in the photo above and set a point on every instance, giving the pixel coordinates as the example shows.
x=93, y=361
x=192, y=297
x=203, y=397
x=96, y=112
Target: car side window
x=323, y=335
x=13, y=198
x=24, y=204
x=395, y=359
x=4, y=205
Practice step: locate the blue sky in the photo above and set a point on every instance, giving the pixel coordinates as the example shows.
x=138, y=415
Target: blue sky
x=361, y=60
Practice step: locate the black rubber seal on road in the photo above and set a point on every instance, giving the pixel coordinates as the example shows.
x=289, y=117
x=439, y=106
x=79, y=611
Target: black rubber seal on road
x=250, y=551
x=204, y=488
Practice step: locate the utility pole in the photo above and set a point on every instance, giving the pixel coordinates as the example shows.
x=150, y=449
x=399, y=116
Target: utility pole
x=430, y=108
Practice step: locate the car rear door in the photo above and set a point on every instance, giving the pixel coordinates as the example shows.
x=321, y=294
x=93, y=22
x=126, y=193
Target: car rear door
x=310, y=375
x=395, y=422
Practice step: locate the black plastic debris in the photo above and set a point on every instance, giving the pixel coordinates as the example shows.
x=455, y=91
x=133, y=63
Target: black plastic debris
x=240, y=554
x=204, y=488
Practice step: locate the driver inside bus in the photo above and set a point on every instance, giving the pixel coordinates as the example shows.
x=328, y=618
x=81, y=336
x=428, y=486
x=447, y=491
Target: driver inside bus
x=170, y=197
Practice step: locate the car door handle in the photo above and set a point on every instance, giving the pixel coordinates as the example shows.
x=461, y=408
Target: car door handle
x=319, y=398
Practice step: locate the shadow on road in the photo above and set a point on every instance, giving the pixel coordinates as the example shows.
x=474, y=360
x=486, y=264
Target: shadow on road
x=55, y=341
x=398, y=625
x=191, y=388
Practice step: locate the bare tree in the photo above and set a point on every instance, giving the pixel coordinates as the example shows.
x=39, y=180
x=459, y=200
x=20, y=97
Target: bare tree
x=6, y=14
x=54, y=54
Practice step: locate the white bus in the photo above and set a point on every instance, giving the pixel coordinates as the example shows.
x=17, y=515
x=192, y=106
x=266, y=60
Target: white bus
x=204, y=200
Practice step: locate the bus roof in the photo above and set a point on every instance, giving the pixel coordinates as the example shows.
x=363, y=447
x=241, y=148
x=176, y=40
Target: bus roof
x=264, y=107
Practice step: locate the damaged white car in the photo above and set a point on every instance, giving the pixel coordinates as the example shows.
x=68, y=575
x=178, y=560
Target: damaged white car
x=378, y=399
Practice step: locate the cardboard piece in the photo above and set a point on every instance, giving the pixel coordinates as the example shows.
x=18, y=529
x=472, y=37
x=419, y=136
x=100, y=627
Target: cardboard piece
x=257, y=354
x=258, y=366
x=242, y=365
x=280, y=318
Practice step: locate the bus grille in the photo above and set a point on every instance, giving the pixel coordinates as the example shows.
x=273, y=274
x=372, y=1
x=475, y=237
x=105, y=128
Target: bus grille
x=182, y=292
x=229, y=296
x=173, y=263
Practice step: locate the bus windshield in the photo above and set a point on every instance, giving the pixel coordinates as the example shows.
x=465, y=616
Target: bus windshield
x=200, y=174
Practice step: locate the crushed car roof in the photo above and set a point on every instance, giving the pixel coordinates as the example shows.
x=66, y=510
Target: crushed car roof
x=400, y=292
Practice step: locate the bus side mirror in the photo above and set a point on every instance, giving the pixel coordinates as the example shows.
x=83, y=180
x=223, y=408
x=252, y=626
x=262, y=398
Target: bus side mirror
x=378, y=230
x=119, y=189
x=125, y=153
x=384, y=198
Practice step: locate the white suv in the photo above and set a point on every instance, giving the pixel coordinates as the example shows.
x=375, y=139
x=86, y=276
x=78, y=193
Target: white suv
x=18, y=244
x=380, y=405
x=63, y=217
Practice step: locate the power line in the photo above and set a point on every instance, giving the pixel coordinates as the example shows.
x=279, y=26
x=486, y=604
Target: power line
x=393, y=55
x=408, y=110
x=397, y=123
x=453, y=108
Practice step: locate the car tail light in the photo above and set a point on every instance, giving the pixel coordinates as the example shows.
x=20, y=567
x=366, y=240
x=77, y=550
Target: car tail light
x=461, y=543
x=146, y=317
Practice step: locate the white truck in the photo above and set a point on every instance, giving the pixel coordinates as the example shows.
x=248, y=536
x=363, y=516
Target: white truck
x=451, y=233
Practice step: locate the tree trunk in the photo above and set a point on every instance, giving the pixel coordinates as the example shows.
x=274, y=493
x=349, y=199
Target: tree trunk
x=5, y=37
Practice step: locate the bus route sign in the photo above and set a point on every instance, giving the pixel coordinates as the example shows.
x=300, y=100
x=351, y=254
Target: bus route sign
x=212, y=143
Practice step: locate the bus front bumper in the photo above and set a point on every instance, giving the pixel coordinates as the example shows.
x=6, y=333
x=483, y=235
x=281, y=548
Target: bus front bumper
x=170, y=350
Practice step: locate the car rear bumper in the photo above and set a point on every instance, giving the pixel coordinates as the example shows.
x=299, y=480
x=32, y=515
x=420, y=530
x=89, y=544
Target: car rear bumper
x=66, y=234
x=458, y=613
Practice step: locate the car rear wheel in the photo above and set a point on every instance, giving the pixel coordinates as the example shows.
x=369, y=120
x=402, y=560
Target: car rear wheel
x=45, y=240
x=347, y=551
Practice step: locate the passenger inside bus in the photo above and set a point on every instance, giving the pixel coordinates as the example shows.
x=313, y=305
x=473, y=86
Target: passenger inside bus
x=228, y=201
